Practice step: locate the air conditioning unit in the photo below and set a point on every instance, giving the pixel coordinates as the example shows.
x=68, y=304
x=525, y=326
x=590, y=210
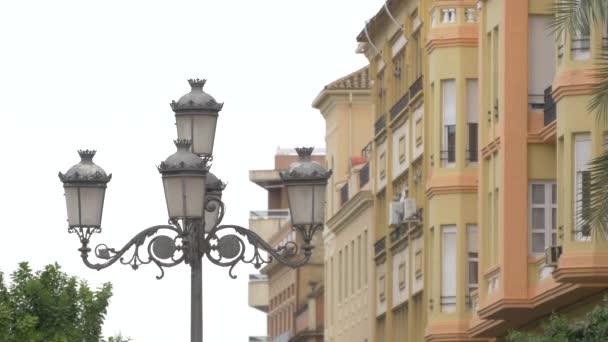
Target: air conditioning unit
x=409, y=208
x=395, y=213
x=552, y=255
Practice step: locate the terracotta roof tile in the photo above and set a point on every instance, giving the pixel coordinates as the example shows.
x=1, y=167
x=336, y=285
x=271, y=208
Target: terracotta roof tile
x=356, y=80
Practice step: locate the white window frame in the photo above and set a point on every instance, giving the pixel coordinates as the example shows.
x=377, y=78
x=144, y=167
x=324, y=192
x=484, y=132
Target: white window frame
x=550, y=228
x=448, y=118
x=472, y=257
x=581, y=158
x=448, y=268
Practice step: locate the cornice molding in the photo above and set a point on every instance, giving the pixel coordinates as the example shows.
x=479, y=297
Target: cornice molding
x=352, y=209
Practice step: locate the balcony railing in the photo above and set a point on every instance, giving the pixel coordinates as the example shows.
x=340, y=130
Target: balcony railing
x=399, y=105
x=416, y=87
x=344, y=194
x=398, y=233
x=266, y=214
x=364, y=175
x=448, y=156
x=380, y=246
x=549, y=107
x=380, y=124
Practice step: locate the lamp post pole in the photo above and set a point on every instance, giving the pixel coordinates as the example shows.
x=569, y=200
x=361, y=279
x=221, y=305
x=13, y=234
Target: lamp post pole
x=195, y=208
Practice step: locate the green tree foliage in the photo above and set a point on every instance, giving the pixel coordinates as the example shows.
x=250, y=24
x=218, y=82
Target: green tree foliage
x=594, y=328
x=50, y=306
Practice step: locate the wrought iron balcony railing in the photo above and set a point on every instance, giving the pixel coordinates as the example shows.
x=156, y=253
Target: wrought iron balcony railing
x=398, y=233
x=380, y=246
x=549, y=107
x=344, y=194
x=399, y=105
x=364, y=175
x=380, y=124
x=416, y=87
x=448, y=156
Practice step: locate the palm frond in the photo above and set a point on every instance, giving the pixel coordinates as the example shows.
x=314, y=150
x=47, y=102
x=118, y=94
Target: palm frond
x=599, y=101
x=594, y=209
x=576, y=17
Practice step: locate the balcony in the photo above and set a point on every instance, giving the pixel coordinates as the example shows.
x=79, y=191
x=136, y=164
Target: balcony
x=266, y=223
x=416, y=87
x=258, y=292
x=380, y=246
x=399, y=105
x=380, y=124
x=448, y=156
x=549, y=107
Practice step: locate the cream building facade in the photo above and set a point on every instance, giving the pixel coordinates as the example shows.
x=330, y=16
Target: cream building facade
x=347, y=109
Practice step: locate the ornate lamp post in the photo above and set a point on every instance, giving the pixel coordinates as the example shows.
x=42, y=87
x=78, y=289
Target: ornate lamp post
x=195, y=208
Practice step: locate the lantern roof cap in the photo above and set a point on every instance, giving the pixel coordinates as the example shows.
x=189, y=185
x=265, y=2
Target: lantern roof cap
x=85, y=171
x=184, y=160
x=212, y=183
x=196, y=100
x=305, y=168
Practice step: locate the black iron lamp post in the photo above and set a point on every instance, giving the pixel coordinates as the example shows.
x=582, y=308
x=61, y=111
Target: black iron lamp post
x=195, y=208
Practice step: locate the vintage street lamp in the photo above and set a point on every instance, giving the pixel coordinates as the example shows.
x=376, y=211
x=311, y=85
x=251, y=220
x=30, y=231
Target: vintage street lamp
x=195, y=208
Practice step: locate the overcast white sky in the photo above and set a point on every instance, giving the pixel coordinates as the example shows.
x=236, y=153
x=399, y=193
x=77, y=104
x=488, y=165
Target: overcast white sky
x=101, y=74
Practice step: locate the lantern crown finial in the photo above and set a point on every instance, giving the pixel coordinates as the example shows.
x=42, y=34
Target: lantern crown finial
x=304, y=152
x=197, y=83
x=87, y=155
x=183, y=143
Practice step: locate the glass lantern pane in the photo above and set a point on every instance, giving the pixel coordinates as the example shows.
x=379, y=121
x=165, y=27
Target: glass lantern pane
x=194, y=187
x=204, y=134
x=184, y=126
x=91, y=205
x=300, y=203
x=71, y=202
x=319, y=203
x=173, y=196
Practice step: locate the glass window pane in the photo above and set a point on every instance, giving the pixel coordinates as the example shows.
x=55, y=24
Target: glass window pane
x=554, y=193
x=553, y=239
x=553, y=218
x=538, y=218
x=538, y=193
x=473, y=272
x=538, y=242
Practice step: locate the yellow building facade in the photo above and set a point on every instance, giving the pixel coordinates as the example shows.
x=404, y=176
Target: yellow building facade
x=478, y=168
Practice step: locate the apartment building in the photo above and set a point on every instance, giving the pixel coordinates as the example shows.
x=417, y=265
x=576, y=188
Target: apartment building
x=291, y=298
x=478, y=171
x=535, y=145
x=346, y=106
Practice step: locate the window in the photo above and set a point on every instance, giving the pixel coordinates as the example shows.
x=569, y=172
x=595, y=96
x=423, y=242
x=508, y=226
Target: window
x=472, y=263
x=580, y=46
x=352, y=267
x=418, y=264
x=359, y=265
x=418, y=128
x=431, y=269
x=346, y=270
x=472, y=119
x=582, y=156
x=542, y=216
x=448, y=268
x=381, y=288
x=365, y=262
x=382, y=165
x=448, y=153
x=541, y=54
x=402, y=279
x=401, y=149
x=340, y=268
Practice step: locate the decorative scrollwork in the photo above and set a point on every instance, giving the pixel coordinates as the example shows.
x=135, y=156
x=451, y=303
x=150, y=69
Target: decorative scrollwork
x=111, y=255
